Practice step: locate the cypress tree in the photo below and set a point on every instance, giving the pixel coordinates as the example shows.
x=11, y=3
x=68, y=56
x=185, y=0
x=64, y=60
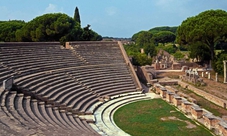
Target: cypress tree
x=77, y=15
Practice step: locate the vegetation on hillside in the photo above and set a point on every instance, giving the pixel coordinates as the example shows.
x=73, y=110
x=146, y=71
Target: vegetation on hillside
x=200, y=35
x=208, y=27
x=218, y=63
x=164, y=37
x=151, y=41
x=199, y=51
x=143, y=40
x=138, y=58
x=47, y=27
x=163, y=28
x=203, y=33
x=9, y=28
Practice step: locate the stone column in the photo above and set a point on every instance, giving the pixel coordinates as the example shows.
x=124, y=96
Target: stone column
x=202, y=74
x=216, y=77
x=208, y=75
x=225, y=72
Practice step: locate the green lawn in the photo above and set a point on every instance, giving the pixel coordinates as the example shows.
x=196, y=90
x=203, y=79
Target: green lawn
x=156, y=118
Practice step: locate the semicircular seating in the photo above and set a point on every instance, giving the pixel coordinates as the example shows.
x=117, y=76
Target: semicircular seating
x=104, y=114
x=58, y=85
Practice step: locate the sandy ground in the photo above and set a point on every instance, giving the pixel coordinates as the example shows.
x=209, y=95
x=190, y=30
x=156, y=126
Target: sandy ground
x=189, y=124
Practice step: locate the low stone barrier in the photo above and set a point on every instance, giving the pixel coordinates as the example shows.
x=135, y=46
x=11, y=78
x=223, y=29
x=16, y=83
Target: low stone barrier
x=209, y=97
x=192, y=110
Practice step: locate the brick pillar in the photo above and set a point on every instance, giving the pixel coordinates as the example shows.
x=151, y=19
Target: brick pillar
x=225, y=72
x=67, y=45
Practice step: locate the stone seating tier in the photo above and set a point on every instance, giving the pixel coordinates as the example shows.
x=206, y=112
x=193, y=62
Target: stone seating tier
x=104, y=113
x=32, y=114
x=65, y=83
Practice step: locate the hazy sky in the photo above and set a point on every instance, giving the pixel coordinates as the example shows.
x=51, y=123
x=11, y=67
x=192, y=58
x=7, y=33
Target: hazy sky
x=116, y=18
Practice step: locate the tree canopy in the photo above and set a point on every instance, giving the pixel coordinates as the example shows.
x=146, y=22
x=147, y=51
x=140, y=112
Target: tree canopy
x=201, y=35
x=143, y=38
x=47, y=27
x=148, y=41
x=218, y=64
x=164, y=37
x=8, y=30
x=135, y=36
x=77, y=15
x=163, y=28
x=208, y=27
x=141, y=60
x=138, y=59
x=200, y=51
x=170, y=48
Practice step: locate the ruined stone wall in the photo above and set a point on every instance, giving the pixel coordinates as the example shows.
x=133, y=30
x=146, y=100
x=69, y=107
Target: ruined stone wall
x=210, y=97
x=67, y=45
x=189, y=64
x=176, y=102
x=196, y=114
x=140, y=73
x=168, y=83
x=182, y=84
x=201, y=115
x=222, y=131
x=176, y=66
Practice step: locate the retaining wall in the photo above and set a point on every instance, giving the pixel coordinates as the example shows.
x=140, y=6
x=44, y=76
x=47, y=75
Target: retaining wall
x=210, y=97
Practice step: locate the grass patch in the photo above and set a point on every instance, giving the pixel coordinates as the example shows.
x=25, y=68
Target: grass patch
x=156, y=118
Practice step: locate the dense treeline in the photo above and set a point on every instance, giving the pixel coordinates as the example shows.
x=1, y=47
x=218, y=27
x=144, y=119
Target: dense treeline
x=159, y=33
x=48, y=27
x=208, y=28
x=8, y=29
x=204, y=36
x=151, y=41
x=163, y=28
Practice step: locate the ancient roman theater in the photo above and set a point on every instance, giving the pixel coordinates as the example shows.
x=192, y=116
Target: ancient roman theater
x=75, y=89
x=50, y=89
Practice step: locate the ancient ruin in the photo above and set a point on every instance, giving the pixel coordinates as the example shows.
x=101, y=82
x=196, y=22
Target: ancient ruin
x=192, y=110
x=192, y=76
x=225, y=71
x=163, y=60
x=56, y=90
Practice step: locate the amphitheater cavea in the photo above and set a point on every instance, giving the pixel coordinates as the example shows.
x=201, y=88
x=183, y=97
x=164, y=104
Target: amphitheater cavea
x=48, y=89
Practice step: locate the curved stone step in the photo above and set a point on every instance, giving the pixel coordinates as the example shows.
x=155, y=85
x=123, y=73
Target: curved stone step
x=103, y=114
